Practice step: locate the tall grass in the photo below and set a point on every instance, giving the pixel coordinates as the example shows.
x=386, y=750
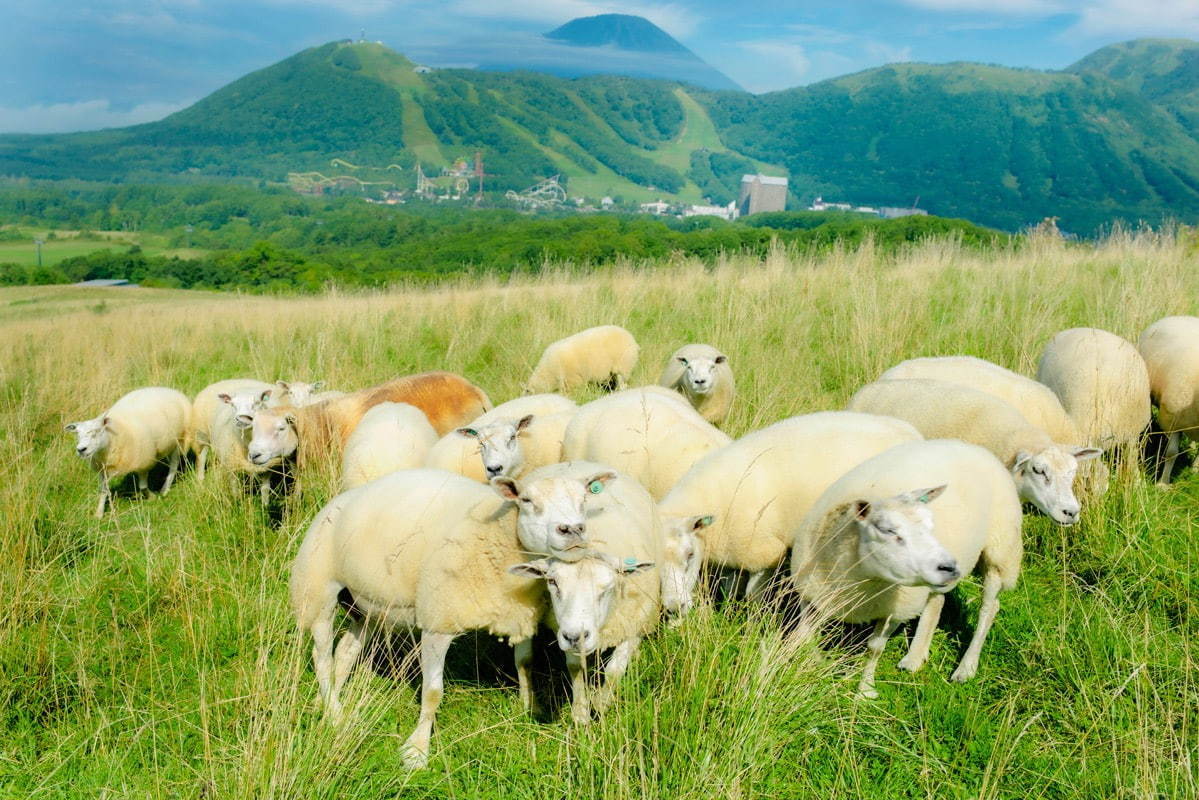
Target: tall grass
x=151, y=654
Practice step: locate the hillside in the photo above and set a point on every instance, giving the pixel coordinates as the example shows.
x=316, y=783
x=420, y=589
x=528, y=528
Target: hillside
x=1003, y=147
x=1000, y=146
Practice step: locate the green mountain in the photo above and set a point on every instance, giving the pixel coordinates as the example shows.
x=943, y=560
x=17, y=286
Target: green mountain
x=1003, y=147
x=1165, y=71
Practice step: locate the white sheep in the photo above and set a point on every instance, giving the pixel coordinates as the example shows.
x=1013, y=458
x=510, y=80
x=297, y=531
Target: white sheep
x=1103, y=384
x=423, y=550
x=208, y=404
x=139, y=430
x=300, y=394
x=651, y=433
x=878, y=546
x=761, y=485
x=622, y=535
x=511, y=439
x=701, y=373
x=1042, y=470
x=606, y=355
x=388, y=438
x=1034, y=400
x=1170, y=348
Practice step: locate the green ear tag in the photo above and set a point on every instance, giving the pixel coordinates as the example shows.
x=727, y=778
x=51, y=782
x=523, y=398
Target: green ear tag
x=630, y=562
x=471, y=432
x=596, y=487
x=923, y=498
x=706, y=521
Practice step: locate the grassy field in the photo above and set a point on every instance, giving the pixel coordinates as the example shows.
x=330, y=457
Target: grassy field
x=68, y=244
x=152, y=654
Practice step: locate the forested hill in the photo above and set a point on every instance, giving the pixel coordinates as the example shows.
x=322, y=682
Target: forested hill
x=1003, y=147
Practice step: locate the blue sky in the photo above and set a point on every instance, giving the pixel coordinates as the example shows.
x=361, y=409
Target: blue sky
x=84, y=64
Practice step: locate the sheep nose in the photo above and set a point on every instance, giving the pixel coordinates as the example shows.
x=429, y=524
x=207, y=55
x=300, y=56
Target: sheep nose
x=572, y=530
x=493, y=471
x=81, y=450
x=949, y=569
x=571, y=639
x=1071, y=514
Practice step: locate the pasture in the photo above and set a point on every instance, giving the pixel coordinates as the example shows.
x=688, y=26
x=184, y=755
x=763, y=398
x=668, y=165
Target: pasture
x=69, y=244
x=152, y=654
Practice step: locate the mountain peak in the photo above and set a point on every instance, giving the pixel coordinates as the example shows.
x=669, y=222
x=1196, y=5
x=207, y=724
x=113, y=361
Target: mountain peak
x=624, y=31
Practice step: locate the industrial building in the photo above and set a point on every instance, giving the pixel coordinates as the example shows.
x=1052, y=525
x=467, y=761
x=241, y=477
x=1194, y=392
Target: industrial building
x=762, y=193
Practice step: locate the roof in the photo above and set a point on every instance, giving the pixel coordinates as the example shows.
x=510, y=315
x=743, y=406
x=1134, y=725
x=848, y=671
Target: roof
x=765, y=180
x=107, y=282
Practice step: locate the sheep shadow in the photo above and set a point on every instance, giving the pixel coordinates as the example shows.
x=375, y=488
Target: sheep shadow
x=1153, y=452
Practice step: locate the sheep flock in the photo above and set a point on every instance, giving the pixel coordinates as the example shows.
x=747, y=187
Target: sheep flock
x=600, y=521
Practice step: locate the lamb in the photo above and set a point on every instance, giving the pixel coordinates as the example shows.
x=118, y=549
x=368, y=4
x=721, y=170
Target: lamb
x=1170, y=348
x=875, y=547
x=1035, y=401
x=701, y=373
x=140, y=429
x=423, y=550
x=300, y=393
x=606, y=355
x=1042, y=470
x=208, y=404
x=390, y=437
x=447, y=400
x=651, y=433
x=510, y=439
x=759, y=486
x=1102, y=382
x=623, y=536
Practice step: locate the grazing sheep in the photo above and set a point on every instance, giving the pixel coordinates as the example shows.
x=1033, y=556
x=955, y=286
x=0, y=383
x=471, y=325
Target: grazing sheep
x=1035, y=401
x=1103, y=384
x=1170, y=348
x=622, y=536
x=510, y=439
x=875, y=547
x=761, y=485
x=423, y=550
x=606, y=355
x=701, y=373
x=205, y=407
x=1043, y=470
x=651, y=433
x=390, y=437
x=447, y=400
x=140, y=429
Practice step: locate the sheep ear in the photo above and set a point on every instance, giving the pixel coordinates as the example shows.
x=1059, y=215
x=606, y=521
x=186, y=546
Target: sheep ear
x=105, y=422
x=71, y=427
x=469, y=433
x=265, y=396
x=524, y=422
x=283, y=385
x=721, y=359
x=244, y=420
x=596, y=483
x=506, y=488
x=861, y=509
x=697, y=524
x=631, y=566
x=922, y=495
x=224, y=397
x=681, y=360
x=316, y=387
x=1087, y=453
x=290, y=419
x=1022, y=457
x=530, y=569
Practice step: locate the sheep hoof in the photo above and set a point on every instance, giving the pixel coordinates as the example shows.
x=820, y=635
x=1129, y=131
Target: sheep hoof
x=909, y=664
x=414, y=757
x=581, y=717
x=868, y=693
x=963, y=673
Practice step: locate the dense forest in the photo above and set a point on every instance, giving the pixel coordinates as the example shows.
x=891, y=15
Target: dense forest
x=273, y=240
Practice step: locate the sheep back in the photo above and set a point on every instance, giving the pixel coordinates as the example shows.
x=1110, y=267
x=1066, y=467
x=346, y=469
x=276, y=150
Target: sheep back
x=593, y=355
x=390, y=437
x=1170, y=348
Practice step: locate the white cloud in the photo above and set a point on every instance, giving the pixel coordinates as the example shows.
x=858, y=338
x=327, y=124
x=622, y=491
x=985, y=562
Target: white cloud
x=787, y=60
x=353, y=8
x=82, y=116
x=992, y=7
x=675, y=19
x=1137, y=18
x=809, y=54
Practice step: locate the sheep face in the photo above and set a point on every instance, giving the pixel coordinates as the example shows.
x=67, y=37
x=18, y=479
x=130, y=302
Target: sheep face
x=896, y=542
x=699, y=375
x=682, y=555
x=91, y=436
x=298, y=393
x=499, y=445
x=1046, y=479
x=273, y=437
x=581, y=594
x=245, y=405
x=551, y=516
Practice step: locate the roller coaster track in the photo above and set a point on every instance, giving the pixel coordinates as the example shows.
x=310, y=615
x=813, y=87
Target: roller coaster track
x=342, y=162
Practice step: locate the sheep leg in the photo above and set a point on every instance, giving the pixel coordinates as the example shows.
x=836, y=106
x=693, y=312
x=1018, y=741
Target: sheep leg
x=918, y=649
x=322, y=656
x=264, y=488
x=986, y=615
x=580, y=702
x=201, y=463
x=874, y=649
x=617, y=664
x=143, y=482
x=105, y=496
x=1173, y=443
x=522, y=657
x=349, y=647
x=433, y=647
x=172, y=469
x=757, y=582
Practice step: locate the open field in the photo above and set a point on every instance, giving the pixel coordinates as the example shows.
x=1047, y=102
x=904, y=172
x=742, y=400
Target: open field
x=68, y=244
x=152, y=654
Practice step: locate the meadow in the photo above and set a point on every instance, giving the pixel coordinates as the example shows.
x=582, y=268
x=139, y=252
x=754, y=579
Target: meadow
x=152, y=653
